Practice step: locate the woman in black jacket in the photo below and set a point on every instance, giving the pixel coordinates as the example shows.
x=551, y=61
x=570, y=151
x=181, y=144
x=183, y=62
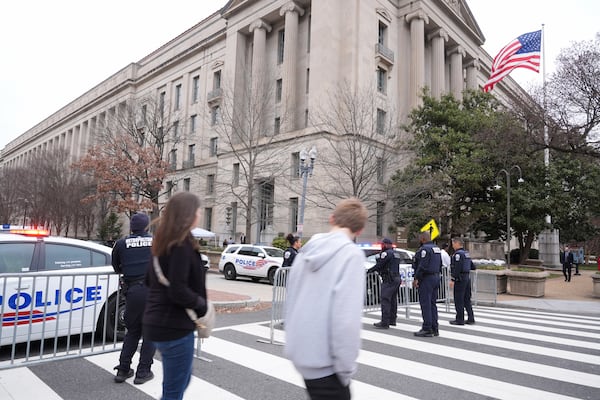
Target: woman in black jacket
x=166, y=322
x=290, y=252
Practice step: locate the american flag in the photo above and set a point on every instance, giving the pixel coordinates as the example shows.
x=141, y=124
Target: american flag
x=523, y=52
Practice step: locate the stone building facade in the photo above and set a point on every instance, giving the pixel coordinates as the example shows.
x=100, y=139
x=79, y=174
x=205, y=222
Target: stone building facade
x=296, y=54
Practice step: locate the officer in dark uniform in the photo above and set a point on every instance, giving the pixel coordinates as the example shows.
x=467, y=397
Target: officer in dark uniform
x=428, y=262
x=387, y=266
x=460, y=270
x=131, y=257
x=292, y=250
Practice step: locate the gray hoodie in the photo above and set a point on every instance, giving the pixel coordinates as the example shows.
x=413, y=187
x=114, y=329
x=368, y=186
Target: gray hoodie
x=323, y=309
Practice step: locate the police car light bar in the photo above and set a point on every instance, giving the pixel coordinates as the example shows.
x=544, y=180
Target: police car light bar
x=31, y=232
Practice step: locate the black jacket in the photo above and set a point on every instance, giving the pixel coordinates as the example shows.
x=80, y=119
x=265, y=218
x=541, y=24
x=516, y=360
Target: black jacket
x=131, y=256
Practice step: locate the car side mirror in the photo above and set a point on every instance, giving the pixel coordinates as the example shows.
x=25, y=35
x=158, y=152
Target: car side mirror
x=262, y=255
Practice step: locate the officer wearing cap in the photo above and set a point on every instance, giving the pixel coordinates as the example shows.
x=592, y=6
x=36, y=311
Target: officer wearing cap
x=460, y=271
x=131, y=257
x=428, y=263
x=387, y=266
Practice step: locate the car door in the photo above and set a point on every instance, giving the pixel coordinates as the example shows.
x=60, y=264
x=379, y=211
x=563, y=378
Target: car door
x=246, y=261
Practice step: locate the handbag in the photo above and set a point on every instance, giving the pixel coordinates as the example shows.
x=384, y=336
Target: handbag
x=205, y=324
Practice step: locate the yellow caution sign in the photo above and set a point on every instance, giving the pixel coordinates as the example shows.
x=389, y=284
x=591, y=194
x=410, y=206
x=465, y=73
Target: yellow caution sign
x=432, y=228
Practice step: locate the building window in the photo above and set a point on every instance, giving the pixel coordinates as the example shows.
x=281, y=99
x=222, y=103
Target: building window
x=169, y=189
x=280, y=42
x=173, y=159
x=307, y=79
x=186, y=184
x=208, y=218
x=234, y=212
x=144, y=115
x=380, y=169
x=193, y=119
x=295, y=167
x=195, y=88
x=278, y=89
x=210, y=184
x=191, y=155
x=381, y=115
x=217, y=80
x=176, y=130
x=177, y=97
x=277, y=125
x=308, y=38
x=379, y=218
x=381, y=80
x=212, y=150
x=236, y=175
x=293, y=214
x=161, y=104
x=382, y=34
x=306, y=118
x=215, y=115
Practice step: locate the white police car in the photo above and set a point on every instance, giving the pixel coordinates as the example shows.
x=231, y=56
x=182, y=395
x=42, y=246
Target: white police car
x=254, y=261
x=54, y=286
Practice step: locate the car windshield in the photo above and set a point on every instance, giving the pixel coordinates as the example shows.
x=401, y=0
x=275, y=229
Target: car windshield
x=273, y=252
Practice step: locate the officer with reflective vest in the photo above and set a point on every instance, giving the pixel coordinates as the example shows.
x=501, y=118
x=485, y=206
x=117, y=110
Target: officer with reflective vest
x=428, y=263
x=460, y=270
x=387, y=266
x=131, y=257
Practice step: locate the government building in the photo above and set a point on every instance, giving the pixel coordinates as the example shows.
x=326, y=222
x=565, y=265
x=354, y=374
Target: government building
x=252, y=89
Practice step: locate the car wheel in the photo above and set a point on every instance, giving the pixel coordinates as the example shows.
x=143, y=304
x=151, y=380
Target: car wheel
x=114, y=313
x=229, y=272
x=271, y=275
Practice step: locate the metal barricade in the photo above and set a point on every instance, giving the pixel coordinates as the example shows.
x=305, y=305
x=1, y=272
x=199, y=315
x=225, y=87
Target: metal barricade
x=483, y=288
x=278, y=302
x=45, y=316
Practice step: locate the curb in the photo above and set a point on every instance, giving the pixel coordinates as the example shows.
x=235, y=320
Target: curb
x=235, y=304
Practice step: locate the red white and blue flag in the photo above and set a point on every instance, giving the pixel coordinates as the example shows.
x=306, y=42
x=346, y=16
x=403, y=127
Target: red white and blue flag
x=523, y=52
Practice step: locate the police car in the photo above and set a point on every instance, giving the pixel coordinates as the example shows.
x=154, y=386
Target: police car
x=254, y=261
x=54, y=286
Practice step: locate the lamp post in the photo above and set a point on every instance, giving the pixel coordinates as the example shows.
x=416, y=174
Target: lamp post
x=507, y=172
x=305, y=171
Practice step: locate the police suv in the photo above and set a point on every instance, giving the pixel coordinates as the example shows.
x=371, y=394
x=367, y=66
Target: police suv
x=54, y=286
x=254, y=261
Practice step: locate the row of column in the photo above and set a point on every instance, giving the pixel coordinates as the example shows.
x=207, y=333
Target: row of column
x=292, y=12
x=456, y=54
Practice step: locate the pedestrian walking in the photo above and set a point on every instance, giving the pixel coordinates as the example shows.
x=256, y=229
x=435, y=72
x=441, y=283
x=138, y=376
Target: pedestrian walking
x=428, y=262
x=387, y=266
x=131, y=258
x=460, y=271
x=292, y=250
x=566, y=259
x=445, y=256
x=323, y=309
x=166, y=321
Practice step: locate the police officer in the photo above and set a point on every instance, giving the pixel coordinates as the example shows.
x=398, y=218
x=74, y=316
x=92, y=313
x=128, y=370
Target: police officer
x=387, y=266
x=131, y=257
x=292, y=250
x=460, y=270
x=428, y=263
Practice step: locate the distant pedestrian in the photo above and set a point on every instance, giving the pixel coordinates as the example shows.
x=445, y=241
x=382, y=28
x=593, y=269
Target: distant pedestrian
x=243, y=239
x=292, y=250
x=387, y=266
x=166, y=321
x=323, y=308
x=461, y=282
x=566, y=259
x=131, y=257
x=428, y=262
x=445, y=256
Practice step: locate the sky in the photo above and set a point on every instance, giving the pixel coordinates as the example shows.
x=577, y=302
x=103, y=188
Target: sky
x=54, y=51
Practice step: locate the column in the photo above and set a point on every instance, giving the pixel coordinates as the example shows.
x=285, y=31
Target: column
x=438, y=60
x=472, y=70
x=259, y=29
x=292, y=12
x=456, y=71
x=417, y=21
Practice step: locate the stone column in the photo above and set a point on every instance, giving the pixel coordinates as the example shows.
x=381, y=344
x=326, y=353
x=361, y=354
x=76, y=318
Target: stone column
x=259, y=29
x=438, y=78
x=472, y=68
x=456, y=71
x=292, y=12
x=417, y=21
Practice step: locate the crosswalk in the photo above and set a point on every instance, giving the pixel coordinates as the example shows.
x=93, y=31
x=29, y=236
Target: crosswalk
x=508, y=354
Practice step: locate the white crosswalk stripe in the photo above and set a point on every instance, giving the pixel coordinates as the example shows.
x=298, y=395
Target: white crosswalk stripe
x=508, y=354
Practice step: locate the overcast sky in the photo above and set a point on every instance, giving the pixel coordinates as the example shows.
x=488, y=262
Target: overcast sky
x=54, y=51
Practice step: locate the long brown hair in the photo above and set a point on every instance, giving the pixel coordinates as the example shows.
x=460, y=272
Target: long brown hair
x=175, y=223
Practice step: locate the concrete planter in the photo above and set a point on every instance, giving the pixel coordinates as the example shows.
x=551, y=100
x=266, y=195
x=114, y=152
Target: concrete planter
x=488, y=285
x=596, y=283
x=530, y=284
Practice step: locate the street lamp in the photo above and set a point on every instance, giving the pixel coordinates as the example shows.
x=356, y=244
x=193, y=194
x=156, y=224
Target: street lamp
x=305, y=171
x=520, y=180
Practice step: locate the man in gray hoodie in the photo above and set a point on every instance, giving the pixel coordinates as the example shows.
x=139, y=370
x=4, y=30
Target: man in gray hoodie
x=323, y=309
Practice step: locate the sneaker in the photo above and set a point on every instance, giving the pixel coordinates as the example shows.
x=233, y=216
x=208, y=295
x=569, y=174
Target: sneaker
x=123, y=375
x=424, y=333
x=143, y=378
x=381, y=325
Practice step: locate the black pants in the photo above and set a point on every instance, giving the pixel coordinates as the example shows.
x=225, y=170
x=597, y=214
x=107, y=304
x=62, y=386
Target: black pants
x=567, y=271
x=389, y=300
x=462, y=298
x=327, y=388
x=135, y=300
x=428, y=291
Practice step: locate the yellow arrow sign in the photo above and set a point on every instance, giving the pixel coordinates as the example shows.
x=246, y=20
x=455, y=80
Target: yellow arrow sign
x=432, y=228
